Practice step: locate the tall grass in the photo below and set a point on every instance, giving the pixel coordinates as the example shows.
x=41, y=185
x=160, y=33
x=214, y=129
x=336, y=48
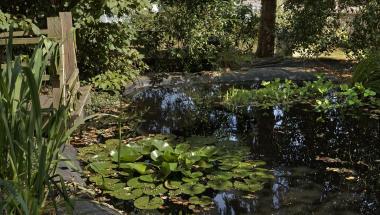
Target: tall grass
x=30, y=137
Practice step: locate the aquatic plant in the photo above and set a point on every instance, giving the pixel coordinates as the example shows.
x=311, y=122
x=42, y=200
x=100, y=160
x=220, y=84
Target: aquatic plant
x=154, y=167
x=367, y=72
x=321, y=94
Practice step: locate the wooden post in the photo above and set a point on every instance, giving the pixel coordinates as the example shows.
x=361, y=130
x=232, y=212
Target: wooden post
x=55, y=31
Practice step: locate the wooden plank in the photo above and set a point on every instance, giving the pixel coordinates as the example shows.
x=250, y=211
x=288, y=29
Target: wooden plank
x=69, y=56
x=21, y=41
x=73, y=79
x=22, y=33
x=85, y=98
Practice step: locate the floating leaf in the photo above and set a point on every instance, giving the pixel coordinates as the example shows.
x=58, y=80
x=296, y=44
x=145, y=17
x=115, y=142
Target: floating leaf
x=170, y=156
x=161, y=145
x=204, y=200
x=136, y=183
x=139, y=167
x=208, y=151
x=155, y=155
x=241, y=173
x=141, y=148
x=263, y=176
x=103, y=167
x=193, y=189
x=146, y=203
x=154, y=190
x=190, y=180
x=254, y=185
x=147, y=178
x=238, y=185
x=204, y=164
x=127, y=154
x=190, y=174
x=182, y=148
x=223, y=175
x=126, y=194
x=220, y=184
x=172, y=185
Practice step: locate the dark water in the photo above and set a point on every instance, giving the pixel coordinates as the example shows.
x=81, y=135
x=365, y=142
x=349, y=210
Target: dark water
x=323, y=163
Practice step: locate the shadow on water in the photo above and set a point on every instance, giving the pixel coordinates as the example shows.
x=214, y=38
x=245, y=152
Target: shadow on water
x=328, y=166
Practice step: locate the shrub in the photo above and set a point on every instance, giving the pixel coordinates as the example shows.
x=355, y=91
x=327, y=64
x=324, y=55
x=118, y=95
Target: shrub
x=367, y=72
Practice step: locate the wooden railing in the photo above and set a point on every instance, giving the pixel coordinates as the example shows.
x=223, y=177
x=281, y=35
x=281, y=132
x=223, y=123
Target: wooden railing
x=66, y=82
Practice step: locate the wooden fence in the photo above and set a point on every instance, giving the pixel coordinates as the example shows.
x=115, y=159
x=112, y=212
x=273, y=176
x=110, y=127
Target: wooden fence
x=66, y=82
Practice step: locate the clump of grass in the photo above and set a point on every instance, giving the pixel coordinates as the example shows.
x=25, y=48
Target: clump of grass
x=30, y=138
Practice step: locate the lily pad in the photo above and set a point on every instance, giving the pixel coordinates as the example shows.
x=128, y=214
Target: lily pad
x=254, y=185
x=208, y=151
x=238, y=185
x=156, y=154
x=147, y=178
x=126, y=194
x=193, y=189
x=137, y=183
x=241, y=173
x=220, y=184
x=103, y=167
x=222, y=175
x=182, y=148
x=161, y=145
x=127, y=154
x=138, y=166
x=146, y=203
x=155, y=190
x=263, y=176
x=173, y=185
x=112, y=144
x=204, y=200
x=190, y=180
x=190, y=174
x=170, y=156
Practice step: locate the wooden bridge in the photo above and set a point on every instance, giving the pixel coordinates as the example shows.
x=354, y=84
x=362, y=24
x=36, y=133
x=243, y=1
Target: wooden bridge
x=66, y=82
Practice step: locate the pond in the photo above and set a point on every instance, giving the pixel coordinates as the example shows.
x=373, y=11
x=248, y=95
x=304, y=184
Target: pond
x=323, y=163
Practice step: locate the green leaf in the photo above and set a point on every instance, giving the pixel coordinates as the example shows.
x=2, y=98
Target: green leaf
x=155, y=155
x=182, y=148
x=204, y=200
x=103, y=167
x=220, y=184
x=138, y=166
x=154, y=190
x=193, y=189
x=161, y=145
x=126, y=193
x=146, y=203
x=137, y=183
x=147, y=178
x=172, y=185
x=127, y=154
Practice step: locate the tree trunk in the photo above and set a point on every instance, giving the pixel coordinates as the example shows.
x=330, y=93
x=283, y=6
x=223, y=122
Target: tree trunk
x=267, y=29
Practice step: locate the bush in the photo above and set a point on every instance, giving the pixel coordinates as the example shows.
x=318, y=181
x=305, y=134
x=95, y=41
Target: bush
x=368, y=72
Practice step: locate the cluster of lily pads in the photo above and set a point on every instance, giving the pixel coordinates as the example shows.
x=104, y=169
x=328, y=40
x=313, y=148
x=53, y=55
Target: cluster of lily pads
x=154, y=170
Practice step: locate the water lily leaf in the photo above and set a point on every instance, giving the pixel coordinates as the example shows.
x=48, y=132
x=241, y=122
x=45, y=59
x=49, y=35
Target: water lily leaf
x=155, y=190
x=147, y=178
x=182, y=148
x=238, y=185
x=112, y=186
x=165, y=169
x=204, y=200
x=107, y=183
x=262, y=176
x=138, y=166
x=126, y=193
x=155, y=155
x=137, y=183
x=254, y=185
x=88, y=152
x=190, y=174
x=169, y=156
x=204, y=164
x=241, y=173
x=190, y=180
x=193, y=189
x=222, y=175
x=172, y=185
x=146, y=203
x=174, y=193
x=208, y=151
x=161, y=145
x=259, y=163
x=103, y=167
x=127, y=154
x=220, y=184
x=141, y=148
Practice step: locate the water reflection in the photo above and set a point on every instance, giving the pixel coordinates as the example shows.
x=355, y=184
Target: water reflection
x=290, y=140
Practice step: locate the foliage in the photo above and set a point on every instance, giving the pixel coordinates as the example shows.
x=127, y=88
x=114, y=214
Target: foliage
x=367, y=72
x=163, y=166
x=31, y=137
x=321, y=94
x=104, y=33
x=188, y=36
x=317, y=27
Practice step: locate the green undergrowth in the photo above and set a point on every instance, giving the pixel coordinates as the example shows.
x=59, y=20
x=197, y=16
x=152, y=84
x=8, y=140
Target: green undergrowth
x=158, y=170
x=322, y=95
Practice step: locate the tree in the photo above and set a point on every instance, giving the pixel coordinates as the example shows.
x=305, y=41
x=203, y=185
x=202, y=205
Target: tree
x=266, y=41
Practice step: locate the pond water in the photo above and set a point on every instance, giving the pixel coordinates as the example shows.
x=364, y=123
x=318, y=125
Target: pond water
x=323, y=163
